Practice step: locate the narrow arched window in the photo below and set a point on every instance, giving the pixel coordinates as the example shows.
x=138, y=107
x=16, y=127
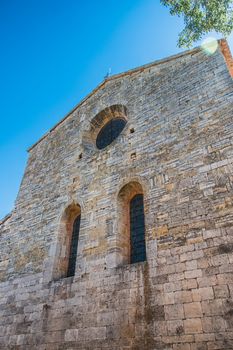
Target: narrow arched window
x=73, y=247
x=137, y=230
x=67, y=243
x=131, y=246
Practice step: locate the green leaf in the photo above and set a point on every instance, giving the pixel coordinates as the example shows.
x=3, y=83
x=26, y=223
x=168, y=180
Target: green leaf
x=201, y=17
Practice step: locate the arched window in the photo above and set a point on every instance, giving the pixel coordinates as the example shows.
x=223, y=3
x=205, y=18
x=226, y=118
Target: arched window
x=67, y=244
x=131, y=224
x=137, y=230
x=74, y=247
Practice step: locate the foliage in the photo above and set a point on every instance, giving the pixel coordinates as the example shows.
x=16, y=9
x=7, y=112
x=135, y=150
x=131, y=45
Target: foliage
x=201, y=17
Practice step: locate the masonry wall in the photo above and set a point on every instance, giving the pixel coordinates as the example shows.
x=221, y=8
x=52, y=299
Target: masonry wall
x=181, y=153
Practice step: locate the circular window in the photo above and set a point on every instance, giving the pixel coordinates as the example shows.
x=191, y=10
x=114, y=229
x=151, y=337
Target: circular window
x=104, y=128
x=109, y=132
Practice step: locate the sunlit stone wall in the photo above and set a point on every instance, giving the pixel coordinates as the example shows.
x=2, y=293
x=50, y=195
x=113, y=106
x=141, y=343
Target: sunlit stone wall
x=181, y=154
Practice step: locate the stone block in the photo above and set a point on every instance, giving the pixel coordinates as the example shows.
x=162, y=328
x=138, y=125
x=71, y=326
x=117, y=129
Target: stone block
x=205, y=293
x=192, y=326
x=183, y=297
x=71, y=335
x=221, y=291
x=175, y=327
x=174, y=312
x=193, y=273
x=193, y=309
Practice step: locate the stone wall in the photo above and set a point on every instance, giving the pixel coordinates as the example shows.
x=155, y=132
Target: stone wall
x=181, y=153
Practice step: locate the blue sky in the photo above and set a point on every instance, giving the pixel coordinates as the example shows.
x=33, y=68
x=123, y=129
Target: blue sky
x=53, y=53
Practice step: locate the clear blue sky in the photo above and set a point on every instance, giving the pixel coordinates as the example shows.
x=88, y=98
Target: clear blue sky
x=53, y=53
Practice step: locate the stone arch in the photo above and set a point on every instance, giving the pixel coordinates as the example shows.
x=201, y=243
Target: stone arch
x=69, y=218
x=130, y=178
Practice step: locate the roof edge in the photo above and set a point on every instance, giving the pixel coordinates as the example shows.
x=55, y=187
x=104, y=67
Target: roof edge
x=116, y=76
x=6, y=217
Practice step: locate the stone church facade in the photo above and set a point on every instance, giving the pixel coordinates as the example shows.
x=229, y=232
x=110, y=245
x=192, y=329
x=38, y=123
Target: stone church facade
x=122, y=232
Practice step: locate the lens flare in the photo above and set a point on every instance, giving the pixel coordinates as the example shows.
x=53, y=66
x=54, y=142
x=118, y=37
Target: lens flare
x=209, y=45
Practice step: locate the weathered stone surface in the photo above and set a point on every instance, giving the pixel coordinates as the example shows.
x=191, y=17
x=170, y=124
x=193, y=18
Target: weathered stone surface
x=177, y=147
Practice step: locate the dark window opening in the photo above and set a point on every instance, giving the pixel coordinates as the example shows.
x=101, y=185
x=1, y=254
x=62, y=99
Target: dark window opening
x=110, y=132
x=137, y=229
x=73, y=247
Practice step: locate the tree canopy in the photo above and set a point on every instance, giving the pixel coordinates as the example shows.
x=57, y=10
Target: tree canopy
x=201, y=17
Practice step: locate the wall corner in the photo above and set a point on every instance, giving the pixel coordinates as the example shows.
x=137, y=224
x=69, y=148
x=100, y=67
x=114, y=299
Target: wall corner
x=226, y=52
